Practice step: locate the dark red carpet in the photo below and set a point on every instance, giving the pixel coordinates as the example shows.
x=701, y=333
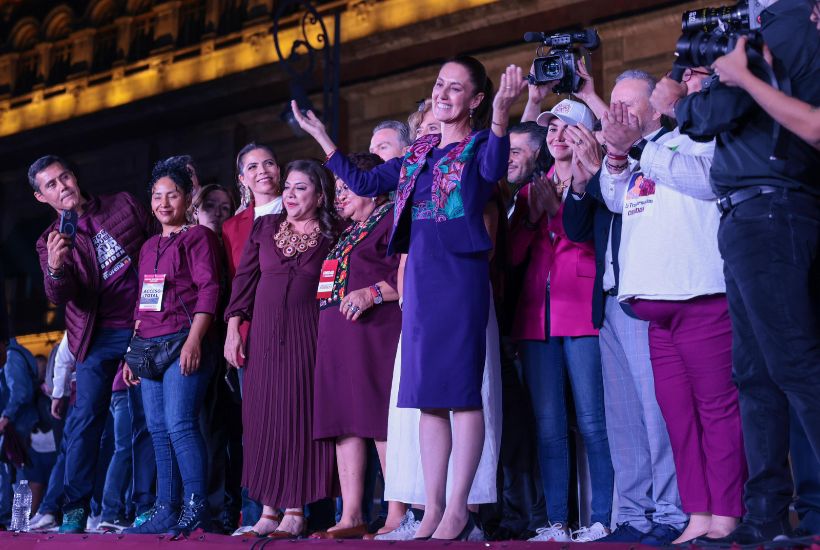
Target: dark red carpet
x=204, y=541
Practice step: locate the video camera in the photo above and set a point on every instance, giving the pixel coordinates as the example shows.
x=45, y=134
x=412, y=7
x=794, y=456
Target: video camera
x=709, y=33
x=561, y=61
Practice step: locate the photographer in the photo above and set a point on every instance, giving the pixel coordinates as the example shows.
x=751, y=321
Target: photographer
x=769, y=239
x=92, y=273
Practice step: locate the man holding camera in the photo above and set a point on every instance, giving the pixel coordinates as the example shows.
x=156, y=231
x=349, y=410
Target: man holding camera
x=769, y=238
x=88, y=266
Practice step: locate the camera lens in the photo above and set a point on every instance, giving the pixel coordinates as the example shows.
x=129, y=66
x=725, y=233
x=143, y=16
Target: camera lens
x=707, y=19
x=552, y=68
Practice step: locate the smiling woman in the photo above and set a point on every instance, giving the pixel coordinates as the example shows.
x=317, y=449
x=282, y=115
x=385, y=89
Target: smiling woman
x=442, y=186
x=180, y=292
x=275, y=286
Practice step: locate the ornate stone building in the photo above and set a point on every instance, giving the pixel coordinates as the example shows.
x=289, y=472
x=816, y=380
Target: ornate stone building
x=115, y=85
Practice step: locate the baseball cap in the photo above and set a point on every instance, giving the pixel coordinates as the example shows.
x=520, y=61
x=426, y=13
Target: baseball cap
x=571, y=112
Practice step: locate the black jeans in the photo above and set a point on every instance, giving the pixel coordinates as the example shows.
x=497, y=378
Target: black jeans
x=770, y=248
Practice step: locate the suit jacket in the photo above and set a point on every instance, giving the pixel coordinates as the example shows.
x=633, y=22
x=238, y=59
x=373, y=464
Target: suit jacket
x=568, y=266
x=235, y=233
x=589, y=218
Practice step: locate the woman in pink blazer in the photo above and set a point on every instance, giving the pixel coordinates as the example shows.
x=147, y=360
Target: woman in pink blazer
x=556, y=337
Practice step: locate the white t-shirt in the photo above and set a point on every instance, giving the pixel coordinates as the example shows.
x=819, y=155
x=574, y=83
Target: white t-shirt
x=273, y=207
x=669, y=245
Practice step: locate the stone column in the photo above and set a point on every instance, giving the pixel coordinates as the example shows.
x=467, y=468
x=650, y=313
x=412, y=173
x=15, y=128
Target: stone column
x=167, y=25
x=82, y=50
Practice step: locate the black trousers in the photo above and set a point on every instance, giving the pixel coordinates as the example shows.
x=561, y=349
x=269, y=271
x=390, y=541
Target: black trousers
x=770, y=248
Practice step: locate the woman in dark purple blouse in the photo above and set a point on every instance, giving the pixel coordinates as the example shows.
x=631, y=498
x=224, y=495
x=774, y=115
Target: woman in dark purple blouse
x=443, y=184
x=179, y=278
x=359, y=328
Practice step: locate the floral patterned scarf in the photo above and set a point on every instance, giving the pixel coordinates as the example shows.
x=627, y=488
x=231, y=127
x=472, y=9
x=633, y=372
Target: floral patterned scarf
x=350, y=237
x=446, y=192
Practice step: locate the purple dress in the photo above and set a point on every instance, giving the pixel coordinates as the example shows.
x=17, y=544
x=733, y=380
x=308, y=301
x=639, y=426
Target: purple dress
x=446, y=293
x=354, y=360
x=283, y=466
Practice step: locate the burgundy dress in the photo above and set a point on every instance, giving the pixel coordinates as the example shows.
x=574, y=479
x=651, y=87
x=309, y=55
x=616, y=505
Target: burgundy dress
x=283, y=466
x=354, y=360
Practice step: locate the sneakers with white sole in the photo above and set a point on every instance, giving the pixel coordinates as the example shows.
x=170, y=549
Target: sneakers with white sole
x=554, y=532
x=405, y=531
x=43, y=522
x=588, y=534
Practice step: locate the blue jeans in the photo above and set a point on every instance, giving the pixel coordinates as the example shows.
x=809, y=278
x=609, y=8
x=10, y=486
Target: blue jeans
x=85, y=426
x=546, y=364
x=172, y=407
x=116, y=493
x=56, y=482
x=142, y=455
x=806, y=474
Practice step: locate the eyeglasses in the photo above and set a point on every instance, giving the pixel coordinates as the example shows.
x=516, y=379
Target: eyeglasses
x=688, y=73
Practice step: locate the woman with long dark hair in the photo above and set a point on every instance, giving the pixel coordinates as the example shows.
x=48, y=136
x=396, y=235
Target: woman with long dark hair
x=275, y=287
x=443, y=184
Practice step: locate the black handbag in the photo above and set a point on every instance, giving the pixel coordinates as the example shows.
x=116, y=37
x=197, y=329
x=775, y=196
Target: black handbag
x=150, y=359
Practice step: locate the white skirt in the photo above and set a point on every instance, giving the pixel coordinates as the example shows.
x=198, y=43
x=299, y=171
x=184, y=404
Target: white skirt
x=404, y=480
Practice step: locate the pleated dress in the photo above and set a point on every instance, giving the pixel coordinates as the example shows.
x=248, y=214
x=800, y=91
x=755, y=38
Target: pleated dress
x=283, y=466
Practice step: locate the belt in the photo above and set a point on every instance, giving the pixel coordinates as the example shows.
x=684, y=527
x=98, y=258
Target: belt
x=733, y=198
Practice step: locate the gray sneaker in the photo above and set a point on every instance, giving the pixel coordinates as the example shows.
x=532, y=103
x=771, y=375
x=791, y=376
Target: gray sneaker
x=405, y=531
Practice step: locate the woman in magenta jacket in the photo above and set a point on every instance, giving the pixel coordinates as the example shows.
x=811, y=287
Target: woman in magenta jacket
x=556, y=338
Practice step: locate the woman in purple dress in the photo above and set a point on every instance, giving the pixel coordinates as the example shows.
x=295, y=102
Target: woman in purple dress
x=358, y=334
x=442, y=186
x=275, y=286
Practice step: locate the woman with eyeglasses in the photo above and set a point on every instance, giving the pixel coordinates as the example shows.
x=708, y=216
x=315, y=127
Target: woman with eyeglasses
x=359, y=328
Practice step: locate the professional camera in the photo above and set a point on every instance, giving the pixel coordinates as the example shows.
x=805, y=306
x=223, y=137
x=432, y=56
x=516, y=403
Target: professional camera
x=709, y=33
x=560, y=63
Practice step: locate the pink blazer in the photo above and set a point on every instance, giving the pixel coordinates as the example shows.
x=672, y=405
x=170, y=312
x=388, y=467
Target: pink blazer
x=568, y=266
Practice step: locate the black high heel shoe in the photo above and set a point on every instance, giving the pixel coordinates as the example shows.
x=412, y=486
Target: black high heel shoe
x=468, y=528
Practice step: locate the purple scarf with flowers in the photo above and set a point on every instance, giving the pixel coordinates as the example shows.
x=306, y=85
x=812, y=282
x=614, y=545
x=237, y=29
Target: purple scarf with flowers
x=446, y=192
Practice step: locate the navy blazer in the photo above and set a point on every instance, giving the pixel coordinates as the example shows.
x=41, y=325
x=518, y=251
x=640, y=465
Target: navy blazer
x=589, y=218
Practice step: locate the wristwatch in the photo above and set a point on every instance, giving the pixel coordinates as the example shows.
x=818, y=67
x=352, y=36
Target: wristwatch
x=377, y=294
x=637, y=150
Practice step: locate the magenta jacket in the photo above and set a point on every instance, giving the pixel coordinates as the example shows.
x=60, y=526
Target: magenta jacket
x=127, y=222
x=568, y=266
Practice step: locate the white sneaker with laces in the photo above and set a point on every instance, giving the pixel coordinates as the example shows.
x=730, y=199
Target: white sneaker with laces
x=554, y=532
x=405, y=531
x=92, y=524
x=43, y=522
x=588, y=534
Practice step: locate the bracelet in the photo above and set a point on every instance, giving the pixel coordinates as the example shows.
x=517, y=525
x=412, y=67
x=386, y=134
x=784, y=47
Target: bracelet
x=617, y=157
x=494, y=123
x=330, y=155
x=616, y=167
x=55, y=273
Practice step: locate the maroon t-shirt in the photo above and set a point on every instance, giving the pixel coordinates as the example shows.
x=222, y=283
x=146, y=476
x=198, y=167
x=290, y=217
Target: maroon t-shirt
x=189, y=261
x=118, y=278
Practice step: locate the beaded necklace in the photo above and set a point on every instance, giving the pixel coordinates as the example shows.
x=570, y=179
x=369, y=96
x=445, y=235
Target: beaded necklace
x=292, y=243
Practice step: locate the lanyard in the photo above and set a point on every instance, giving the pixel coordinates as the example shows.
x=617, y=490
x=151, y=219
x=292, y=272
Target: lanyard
x=171, y=238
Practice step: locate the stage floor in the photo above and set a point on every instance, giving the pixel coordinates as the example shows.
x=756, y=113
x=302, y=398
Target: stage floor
x=206, y=541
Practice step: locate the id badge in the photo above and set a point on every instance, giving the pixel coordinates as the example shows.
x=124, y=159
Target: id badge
x=326, y=279
x=153, y=286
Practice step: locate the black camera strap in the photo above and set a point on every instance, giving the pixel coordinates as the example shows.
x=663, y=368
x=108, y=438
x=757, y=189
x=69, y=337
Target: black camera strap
x=780, y=139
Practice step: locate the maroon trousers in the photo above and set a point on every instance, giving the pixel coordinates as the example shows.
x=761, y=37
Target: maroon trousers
x=690, y=345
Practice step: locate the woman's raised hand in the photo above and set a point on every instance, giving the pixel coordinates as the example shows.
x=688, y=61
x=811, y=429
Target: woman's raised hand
x=511, y=86
x=311, y=124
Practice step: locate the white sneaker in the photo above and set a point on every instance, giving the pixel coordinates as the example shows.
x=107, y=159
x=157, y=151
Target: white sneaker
x=588, y=534
x=92, y=524
x=405, y=531
x=43, y=522
x=554, y=532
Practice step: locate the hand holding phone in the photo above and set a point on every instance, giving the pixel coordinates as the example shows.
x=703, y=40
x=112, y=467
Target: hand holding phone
x=68, y=225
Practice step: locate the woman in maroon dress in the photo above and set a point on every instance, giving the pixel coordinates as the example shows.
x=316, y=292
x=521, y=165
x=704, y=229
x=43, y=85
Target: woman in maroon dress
x=359, y=327
x=275, y=284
